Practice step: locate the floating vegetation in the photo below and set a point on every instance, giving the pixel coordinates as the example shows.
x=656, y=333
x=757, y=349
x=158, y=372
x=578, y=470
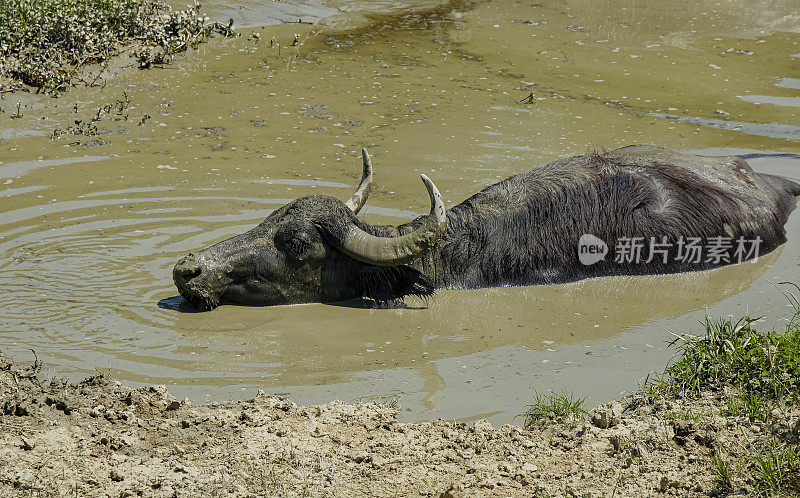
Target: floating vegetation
x=46, y=43
x=119, y=110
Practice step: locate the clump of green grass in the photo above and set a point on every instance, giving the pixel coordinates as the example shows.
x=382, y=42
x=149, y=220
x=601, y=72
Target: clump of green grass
x=762, y=370
x=44, y=43
x=777, y=468
x=763, y=367
x=749, y=405
x=553, y=407
x=723, y=476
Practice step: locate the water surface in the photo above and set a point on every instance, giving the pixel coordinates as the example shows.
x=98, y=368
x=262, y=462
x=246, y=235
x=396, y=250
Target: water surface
x=466, y=92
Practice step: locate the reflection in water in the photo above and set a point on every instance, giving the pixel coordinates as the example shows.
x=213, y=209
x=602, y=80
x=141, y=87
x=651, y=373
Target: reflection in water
x=793, y=83
x=10, y=133
x=309, y=183
x=249, y=13
x=468, y=93
x=19, y=168
x=178, y=303
x=769, y=155
x=770, y=99
x=21, y=190
x=772, y=130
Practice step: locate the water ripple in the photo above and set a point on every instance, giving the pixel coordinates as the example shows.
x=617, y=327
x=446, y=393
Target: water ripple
x=13, y=170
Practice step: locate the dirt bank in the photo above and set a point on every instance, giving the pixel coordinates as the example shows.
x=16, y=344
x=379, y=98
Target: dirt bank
x=98, y=437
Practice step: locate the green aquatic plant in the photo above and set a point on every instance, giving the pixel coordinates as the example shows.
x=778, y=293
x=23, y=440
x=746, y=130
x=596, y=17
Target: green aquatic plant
x=45, y=43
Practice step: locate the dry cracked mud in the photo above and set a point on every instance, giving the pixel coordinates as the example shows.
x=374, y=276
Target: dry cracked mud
x=101, y=438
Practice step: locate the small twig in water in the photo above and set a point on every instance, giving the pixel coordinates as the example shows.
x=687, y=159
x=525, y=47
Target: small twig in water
x=299, y=21
x=98, y=77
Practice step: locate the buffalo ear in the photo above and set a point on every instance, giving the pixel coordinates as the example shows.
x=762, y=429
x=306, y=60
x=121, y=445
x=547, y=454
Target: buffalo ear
x=383, y=284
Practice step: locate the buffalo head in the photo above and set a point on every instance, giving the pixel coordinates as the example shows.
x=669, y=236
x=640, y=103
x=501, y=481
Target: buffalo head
x=314, y=249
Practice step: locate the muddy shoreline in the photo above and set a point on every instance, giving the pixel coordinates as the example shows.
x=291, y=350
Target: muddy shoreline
x=93, y=221
x=100, y=437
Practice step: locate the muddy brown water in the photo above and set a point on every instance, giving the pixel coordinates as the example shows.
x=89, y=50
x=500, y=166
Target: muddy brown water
x=468, y=93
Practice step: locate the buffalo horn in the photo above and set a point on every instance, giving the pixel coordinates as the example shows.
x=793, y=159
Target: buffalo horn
x=359, y=198
x=394, y=251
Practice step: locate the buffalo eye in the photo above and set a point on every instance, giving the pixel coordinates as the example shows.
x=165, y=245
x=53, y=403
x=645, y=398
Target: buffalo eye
x=295, y=245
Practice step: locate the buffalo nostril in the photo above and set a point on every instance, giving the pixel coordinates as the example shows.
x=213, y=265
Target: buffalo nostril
x=189, y=273
x=186, y=271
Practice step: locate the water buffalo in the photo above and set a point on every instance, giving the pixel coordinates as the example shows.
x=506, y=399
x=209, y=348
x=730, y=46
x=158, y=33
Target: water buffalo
x=635, y=210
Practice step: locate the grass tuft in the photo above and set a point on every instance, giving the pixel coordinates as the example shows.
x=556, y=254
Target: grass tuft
x=685, y=415
x=758, y=372
x=763, y=367
x=553, y=407
x=777, y=468
x=723, y=477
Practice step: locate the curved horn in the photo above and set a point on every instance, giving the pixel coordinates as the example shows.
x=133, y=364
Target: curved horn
x=359, y=198
x=395, y=251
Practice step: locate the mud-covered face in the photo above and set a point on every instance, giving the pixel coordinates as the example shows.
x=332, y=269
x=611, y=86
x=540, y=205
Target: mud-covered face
x=294, y=256
x=275, y=263
x=314, y=249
